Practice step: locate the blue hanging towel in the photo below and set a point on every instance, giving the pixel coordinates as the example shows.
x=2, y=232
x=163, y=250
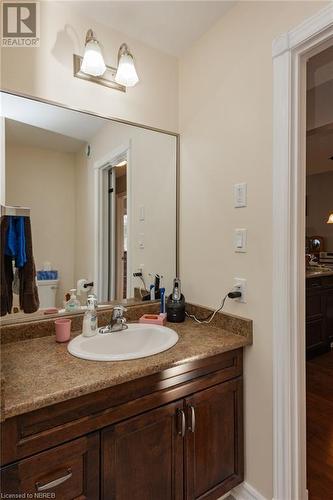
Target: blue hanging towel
x=15, y=241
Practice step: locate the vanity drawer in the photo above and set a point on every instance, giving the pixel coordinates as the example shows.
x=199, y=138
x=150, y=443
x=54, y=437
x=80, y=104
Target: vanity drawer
x=67, y=472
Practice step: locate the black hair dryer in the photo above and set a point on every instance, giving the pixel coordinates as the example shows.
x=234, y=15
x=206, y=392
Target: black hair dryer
x=175, y=306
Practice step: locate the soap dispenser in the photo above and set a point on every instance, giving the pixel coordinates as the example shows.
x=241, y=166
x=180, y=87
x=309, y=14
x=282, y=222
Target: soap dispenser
x=73, y=304
x=89, y=328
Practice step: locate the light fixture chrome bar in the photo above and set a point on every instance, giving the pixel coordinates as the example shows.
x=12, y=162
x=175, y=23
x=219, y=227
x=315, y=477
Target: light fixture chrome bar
x=16, y=211
x=107, y=79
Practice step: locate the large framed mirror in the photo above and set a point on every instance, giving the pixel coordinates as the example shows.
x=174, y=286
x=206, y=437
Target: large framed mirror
x=102, y=196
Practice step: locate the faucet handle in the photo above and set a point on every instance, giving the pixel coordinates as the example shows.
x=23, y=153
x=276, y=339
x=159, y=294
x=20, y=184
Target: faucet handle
x=118, y=311
x=120, y=308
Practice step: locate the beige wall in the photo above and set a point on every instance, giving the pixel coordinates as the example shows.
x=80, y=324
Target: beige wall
x=44, y=180
x=152, y=175
x=319, y=190
x=47, y=71
x=226, y=137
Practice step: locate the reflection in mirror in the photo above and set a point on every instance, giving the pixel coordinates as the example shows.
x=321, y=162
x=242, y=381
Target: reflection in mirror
x=102, y=200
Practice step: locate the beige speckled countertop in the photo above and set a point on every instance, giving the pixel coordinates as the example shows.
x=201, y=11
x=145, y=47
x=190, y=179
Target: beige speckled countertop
x=318, y=273
x=39, y=372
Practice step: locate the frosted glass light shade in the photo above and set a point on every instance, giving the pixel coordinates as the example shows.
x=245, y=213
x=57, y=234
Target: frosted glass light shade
x=126, y=72
x=330, y=219
x=93, y=62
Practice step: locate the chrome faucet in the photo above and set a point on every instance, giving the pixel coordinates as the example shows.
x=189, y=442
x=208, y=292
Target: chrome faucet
x=118, y=322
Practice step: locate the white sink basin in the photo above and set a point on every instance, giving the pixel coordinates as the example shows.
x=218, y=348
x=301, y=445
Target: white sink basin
x=138, y=341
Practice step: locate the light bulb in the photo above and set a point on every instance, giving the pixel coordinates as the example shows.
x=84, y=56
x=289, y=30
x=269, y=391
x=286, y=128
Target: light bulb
x=93, y=62
x=126, y=73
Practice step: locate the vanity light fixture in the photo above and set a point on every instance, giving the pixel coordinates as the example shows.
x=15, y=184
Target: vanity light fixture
x=330, y=219
x=93, y=63
x=126, y=72
x=92, y=67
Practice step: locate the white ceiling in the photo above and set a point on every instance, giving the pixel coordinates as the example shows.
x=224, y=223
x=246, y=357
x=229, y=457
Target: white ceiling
x=73, y=124
x=18, y=133
x=170, y=26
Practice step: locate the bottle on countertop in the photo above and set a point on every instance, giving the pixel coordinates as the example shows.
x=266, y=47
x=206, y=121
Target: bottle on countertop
x=175, y=305
x=89, y=328
x=73, y=305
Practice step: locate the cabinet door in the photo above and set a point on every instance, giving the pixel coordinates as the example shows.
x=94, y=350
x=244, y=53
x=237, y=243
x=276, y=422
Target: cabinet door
x=315, y=304
x=315, y=334
x=67, y=472
x=329, y=316
x=214, y=442
x=142, y=458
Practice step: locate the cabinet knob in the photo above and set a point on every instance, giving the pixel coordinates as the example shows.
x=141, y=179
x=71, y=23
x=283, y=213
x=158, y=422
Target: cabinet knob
x=53, y=484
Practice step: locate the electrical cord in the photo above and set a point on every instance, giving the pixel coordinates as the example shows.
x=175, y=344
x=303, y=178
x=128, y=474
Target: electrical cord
x=144, y=286
x=211, y=316
x=139, y=275
x=144, y=283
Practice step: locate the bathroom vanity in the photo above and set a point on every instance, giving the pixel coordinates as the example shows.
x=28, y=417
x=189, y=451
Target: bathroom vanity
x=169, y=426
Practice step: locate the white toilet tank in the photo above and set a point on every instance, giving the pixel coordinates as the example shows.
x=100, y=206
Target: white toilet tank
x=47, y=291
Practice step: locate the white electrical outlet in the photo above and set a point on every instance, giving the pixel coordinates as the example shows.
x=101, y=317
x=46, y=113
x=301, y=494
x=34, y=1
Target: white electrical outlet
x=240, y=285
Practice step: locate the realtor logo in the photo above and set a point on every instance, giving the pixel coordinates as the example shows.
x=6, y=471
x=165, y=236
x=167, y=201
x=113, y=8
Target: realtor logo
x=20, y=24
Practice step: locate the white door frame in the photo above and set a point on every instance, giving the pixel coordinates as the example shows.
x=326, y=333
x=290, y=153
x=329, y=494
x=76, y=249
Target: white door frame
x=290, y=52
x=101, y=168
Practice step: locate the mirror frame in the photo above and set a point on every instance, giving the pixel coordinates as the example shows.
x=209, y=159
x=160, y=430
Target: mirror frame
x=124, y=122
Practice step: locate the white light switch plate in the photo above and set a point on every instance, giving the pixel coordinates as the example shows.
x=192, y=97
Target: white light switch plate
x=240, y=195
x=240, y=240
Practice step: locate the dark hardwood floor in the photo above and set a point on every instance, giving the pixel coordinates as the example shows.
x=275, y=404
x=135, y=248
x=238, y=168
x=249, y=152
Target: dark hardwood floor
x=320, y=427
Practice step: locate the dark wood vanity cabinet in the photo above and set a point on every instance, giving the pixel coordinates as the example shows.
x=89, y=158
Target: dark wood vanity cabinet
x=190, y=449
x=181, y=438
x=329, y=314
x=319, y=315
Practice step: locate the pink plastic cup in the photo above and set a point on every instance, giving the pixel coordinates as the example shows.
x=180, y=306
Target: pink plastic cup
x=63, y=329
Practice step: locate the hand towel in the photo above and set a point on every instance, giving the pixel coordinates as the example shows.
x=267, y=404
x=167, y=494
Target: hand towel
x=6, y=271
x=15, y=240
x=29, y=300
